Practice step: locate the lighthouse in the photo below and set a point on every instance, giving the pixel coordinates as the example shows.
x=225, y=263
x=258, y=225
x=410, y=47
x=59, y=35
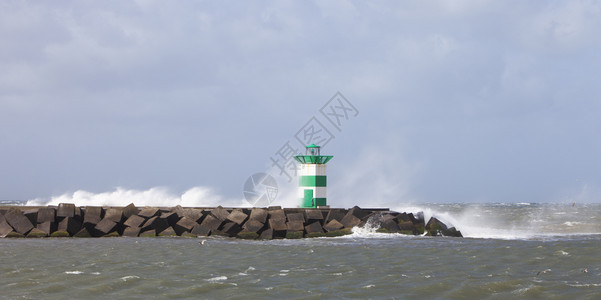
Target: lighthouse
x=312, y=177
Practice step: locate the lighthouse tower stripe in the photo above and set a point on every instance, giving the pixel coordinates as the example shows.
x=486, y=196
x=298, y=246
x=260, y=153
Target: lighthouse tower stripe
x=318, y=192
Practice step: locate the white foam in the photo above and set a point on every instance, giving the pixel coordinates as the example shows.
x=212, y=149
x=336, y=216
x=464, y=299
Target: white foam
x=157, y=196
x=74, y=272
x=218, y=278
x=129, y=277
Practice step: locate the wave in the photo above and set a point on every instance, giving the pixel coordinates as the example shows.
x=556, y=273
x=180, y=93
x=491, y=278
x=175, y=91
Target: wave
x=156, y=196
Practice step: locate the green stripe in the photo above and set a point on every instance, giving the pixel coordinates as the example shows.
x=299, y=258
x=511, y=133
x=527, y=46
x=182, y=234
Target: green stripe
x=318, y=180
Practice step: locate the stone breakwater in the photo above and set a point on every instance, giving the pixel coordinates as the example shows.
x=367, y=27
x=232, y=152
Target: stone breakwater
x=68, y=220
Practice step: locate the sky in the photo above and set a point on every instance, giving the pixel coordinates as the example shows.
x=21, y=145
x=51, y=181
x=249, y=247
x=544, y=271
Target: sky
x=418, y=101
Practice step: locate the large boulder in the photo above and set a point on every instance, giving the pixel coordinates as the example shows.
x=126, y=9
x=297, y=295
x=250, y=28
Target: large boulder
x=15, y=218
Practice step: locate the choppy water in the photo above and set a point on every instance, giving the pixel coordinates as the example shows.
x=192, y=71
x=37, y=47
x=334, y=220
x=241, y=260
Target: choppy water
x=533, y=251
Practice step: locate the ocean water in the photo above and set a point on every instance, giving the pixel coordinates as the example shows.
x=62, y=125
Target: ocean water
x=524, y=251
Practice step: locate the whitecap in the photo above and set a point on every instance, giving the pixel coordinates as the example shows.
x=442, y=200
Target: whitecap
x=218, y=278
x=74, y=272
x=129, y=277
x=369, y=286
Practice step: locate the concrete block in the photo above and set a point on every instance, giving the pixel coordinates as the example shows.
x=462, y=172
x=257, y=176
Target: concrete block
x=295, y=226
x=130, y=210
x=193, y=214
x=274, y=208
x=340, y=232
x=237, y=216
x=184, y=225
x=36, y=233
x=83, y=233
x=168, y=232
x=359, y=213
x=32, y=215
x=171, y=217
x=66, y=210
x=210, y=222
x=267, y=234
x=106, y=226
x=179, y=210
x=19, y=222
x=134, y=221
x=60, y=234
x=220, y=213
x=47, y=227
x=114, y=214
x=155, y=223
x=148, y=233
x=199, y=230
x=5, y=229
x=294, y=234
x=258, y=214
x=350, y=221
x=313, y=214
x=277, y=214
x=46, y=214
x=131, y=231
x=278, y=224
x=70, y=225
x=296, y=217
x=333, y=225
x=335, y=214
x=314, y=227
x=149, y=212
x=253, y=225
x=78, y=214
x=230, y=229
x=247, y=235
x=92, y=215
x=390, y=226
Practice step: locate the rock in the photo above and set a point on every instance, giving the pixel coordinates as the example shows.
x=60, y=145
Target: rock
x=66, y=210
x=15, y=218
x=436, y=227
x=198, y=230
x=359, y=213
x=131, y=231
x=296, y=217
x=70, y=225
x=149, y=212
x=295, y=226
x=184, y=225
x=130, y=210
x=333, y=226
x=5, y=229
x=314, y=227
x=267, y=234
x=389, y=226
x=134, y=221
x=237, y=216
x=114, y=214
x=106, y=226
x=220, y=213
x=259, y=215
x=46, y=214
x=168, y=232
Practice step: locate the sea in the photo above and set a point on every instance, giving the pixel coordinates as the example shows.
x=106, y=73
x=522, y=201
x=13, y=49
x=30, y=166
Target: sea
x=509, y=251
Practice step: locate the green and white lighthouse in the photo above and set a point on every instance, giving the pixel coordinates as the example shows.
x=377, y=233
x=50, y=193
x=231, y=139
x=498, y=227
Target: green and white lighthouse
x=312, y=177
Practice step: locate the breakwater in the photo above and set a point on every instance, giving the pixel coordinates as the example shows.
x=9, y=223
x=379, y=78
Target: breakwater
x=68, y=220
